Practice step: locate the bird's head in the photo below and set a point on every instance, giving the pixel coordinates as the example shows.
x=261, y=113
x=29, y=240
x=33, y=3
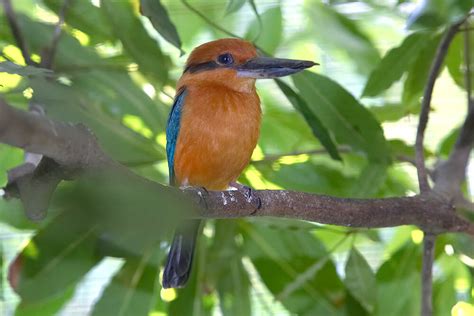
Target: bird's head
x=236, y=64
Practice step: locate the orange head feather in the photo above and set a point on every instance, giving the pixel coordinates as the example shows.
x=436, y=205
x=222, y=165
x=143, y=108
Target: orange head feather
x=206, y=64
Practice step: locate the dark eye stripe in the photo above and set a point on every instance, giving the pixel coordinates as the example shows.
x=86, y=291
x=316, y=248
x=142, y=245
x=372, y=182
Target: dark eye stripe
x=209, y=65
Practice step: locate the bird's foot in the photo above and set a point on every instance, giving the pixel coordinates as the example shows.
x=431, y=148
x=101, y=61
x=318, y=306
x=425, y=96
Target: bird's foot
x=249, y=194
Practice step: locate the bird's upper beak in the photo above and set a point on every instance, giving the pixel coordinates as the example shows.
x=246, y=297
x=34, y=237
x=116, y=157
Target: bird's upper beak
x=266, y=67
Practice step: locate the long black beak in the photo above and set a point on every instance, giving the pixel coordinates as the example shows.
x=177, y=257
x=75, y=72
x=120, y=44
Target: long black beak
x=266, y=67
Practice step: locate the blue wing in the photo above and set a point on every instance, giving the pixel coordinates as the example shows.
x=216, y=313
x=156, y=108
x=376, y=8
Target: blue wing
x=172, y=131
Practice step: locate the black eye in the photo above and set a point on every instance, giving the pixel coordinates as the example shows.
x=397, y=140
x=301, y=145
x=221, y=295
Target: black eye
x=225, y=59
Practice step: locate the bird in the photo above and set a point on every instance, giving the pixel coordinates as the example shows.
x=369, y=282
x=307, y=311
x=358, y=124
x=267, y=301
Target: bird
x=213, y=128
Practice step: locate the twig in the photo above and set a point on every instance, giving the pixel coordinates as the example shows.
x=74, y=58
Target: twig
x=425, y=105
x=16, y=31
x=427, y=274
x=427, y=281
x=48, y=53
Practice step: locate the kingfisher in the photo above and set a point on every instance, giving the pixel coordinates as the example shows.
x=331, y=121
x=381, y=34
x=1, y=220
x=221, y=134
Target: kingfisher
x=213, y=128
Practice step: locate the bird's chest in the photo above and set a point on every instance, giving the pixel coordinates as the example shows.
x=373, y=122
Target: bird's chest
x=216, y=139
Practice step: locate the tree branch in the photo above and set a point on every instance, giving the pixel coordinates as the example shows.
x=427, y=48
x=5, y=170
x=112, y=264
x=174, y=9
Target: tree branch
x=75, y=151
x=429, y=241
x=430, y=238
x=16, y=31
x=425, y=105
x=48, y=53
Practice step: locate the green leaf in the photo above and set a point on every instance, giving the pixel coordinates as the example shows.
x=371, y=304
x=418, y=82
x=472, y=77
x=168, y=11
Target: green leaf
x=47, y=307
x=156, y=12
x=360, y=280
x=280, y=257
x=316, y=177
x=417, y=75
x=270, y=36
x=392, y=66
x=455, y=59
x=392, y=112
x=370, y=180
x=84, y=16
x=135, y=39
x=448, y=142
x=313, y=121
x=400, y=148
x=444, y=296
x=337, y=33
x=65, y=104
x=90, y=76
x=57, y=257
x=134, y=290
x=228, y=272
x=435, y=13
x=394, y=277
x=13, y=68
x=343, y=115
x=234, y=6
x=283, y=129
x=129, y=220
x=121, y=96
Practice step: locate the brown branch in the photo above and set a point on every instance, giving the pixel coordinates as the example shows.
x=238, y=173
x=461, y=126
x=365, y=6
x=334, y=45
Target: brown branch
x=429, y=241
x=427, y=281
x=427, y=211
x=16, y=31
x=48, y=53
x=75, y=151
x=425, y=105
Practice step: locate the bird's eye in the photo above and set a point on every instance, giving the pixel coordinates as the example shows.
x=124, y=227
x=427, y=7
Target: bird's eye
x=225, y=59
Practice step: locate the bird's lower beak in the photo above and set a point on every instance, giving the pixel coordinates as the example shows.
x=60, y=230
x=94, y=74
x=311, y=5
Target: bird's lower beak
x=266, y=67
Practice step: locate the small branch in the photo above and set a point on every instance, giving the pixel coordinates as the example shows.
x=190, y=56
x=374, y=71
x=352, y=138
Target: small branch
x=427, y=274
x=425, y=105
x=427, y=280
x=16, y=31
x=47, y=55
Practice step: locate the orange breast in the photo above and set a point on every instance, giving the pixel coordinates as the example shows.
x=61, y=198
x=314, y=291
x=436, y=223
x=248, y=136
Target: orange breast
x=219, y=131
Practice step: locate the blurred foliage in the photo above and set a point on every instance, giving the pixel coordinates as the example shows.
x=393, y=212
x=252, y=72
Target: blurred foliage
x=115, y=72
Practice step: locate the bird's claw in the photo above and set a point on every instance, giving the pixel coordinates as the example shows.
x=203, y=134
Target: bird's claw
x=203, y=194
x=249, y=195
